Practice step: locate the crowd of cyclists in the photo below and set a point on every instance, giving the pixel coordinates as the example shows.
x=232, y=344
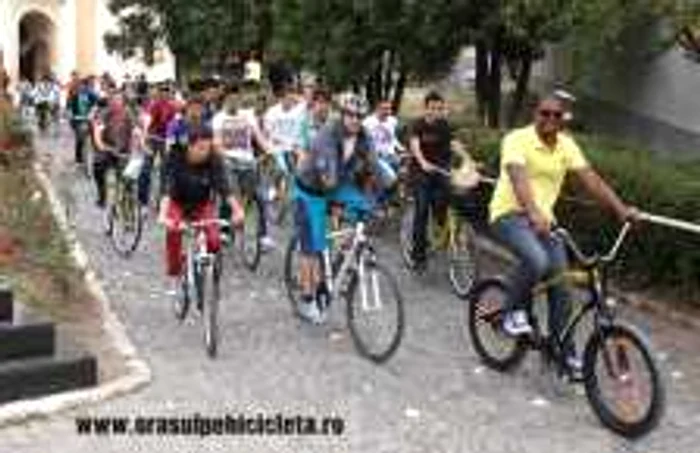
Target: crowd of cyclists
x=334, y=161
x=211, y=137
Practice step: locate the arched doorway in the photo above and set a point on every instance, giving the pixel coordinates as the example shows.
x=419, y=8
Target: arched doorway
x=36, y=45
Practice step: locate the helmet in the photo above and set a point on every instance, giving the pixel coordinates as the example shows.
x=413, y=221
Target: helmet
x=354, y=104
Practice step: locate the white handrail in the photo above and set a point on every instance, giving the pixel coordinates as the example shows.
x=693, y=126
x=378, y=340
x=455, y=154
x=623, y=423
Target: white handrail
x=670, y=222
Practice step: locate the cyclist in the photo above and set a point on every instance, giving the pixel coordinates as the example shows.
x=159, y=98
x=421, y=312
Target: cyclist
x=235, y=134
x=432, y=143
x=161, y=112
x=339, y=166
x=382, y=126
x=195, y=176
x=44, y=97
x=281, y=124
x=81, y=102
x=114, y=140
x=534, y=163
x=317, y=116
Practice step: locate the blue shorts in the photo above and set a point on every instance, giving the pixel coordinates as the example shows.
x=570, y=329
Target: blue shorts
x=357, y=205
x=310, y=212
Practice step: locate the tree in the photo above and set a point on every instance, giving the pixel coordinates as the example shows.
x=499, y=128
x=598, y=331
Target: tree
x=206, y=29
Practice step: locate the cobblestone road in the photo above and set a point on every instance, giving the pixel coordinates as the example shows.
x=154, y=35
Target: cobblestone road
x=433, y=396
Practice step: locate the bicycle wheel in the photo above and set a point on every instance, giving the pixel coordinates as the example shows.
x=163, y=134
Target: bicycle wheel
x=496, y=349
x=210, y=275
x=126, y=220
x=181, y=302
x=292, y=281
x=376, y=317
x=463, y=267
x=249, y=240
x=622, y=381
x=406, y=235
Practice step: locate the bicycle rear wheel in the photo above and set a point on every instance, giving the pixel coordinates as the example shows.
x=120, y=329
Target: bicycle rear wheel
x=463, y=259
x=622, y=381
x=211, y=275
x=376, y=317
x=406, y=235
x=496, y=349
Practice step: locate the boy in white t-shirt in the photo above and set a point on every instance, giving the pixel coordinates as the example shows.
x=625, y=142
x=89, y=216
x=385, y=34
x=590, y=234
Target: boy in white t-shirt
x=236, y=132
x=382, y=128
x=281, y=124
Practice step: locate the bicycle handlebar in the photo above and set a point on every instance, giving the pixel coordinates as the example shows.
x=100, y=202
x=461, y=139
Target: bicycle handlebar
x=187, y=225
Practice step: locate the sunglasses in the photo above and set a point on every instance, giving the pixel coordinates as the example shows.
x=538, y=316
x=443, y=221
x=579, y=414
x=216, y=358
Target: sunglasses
x=551, y=114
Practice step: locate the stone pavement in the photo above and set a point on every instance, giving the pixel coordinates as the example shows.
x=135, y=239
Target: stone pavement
x=433, y=396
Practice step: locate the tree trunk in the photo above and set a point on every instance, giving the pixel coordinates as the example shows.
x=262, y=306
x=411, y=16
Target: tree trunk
x=398, y=91
x=521, y=84
x=494, y=83
x=481, y=82
x=388, y=75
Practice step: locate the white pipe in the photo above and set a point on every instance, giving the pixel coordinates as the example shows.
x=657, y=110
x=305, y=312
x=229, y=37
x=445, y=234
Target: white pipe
x=670, y=222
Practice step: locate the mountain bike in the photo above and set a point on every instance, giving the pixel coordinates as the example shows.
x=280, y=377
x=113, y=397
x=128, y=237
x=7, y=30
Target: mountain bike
x=200, y=279
x=124, y=217
x=455, y=236
x=620, y=374
x=352, y=272
x=247, y=240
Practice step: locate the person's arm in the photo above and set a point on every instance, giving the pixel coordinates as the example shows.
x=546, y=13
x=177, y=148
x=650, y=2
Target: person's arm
x=606, y=196
x=260, y=139
x=222, y=185
x=514, y=161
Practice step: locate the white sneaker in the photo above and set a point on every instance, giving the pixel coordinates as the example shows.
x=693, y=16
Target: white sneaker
x=515, y=323
x=309, y=311
x=267, y=243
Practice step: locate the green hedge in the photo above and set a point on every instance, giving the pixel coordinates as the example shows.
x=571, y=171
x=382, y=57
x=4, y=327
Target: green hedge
x=654, y=255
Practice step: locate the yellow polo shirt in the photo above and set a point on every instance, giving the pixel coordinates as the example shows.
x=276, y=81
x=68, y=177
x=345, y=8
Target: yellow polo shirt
x=546, y=170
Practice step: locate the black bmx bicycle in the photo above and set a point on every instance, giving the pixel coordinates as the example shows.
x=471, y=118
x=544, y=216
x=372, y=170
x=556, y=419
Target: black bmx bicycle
x=620, y=374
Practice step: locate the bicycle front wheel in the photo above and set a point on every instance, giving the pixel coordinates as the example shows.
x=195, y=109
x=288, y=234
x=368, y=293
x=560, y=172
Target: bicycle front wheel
x=126, y=222
x=292, y=281
x=622, y=381
x=250, y=238
x=211, y=275
x=463, y=267
x=375, y=311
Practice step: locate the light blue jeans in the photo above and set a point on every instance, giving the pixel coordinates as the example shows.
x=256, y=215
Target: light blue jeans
x=540, y=257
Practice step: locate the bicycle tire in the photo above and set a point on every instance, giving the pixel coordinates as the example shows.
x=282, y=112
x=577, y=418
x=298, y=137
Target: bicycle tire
x=652, y=416
x=210, y=305
x=462, y=282
x=361, y=344
x=517, y=348
x=249, y=242
x=291, y=282
x=181, y=302
x=127, y=205
x=406, y=235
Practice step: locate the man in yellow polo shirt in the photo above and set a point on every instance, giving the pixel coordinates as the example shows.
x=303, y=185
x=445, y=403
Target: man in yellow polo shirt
x=535, y=160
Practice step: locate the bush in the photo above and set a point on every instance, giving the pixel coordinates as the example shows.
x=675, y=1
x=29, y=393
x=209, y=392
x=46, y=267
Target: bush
x=654, y=255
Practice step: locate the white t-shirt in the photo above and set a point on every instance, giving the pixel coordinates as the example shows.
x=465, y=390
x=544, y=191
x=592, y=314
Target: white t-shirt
x=235, y=133
x=383, y=133
x=283, y=126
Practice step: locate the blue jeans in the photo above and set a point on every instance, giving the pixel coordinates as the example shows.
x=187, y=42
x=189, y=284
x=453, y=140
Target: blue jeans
x=540, y=258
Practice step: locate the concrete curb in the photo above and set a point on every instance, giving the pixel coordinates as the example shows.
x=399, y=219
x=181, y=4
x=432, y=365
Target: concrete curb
x=138, y=373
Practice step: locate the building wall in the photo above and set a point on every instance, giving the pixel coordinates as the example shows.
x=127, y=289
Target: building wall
x=655, y=102
x=78, y=39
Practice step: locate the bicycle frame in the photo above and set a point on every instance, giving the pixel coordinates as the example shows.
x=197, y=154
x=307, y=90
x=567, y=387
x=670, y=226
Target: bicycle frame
x=594, y=277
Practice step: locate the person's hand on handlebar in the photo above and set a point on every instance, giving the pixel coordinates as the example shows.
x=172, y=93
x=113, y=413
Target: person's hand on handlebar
x=427, y=167
x=630, y=214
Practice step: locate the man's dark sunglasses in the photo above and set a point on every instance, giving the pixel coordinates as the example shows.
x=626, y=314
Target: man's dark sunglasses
x=551, y=114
